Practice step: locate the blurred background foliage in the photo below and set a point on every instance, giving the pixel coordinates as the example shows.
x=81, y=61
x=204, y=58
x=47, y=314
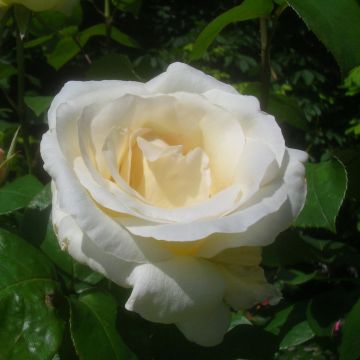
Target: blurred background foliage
x=314, y=96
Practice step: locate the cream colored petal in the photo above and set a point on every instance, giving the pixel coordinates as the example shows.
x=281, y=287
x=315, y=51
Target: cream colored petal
x=80, y=94
x=165, y=180
x=243, y=106
x=206, y=328
x=218, y=205
x=294, y=178
x=97, y=225
x=247, y=286
x=242, y=255
x=85, y=251
x=256, y=125
x=182, y=77
x=269, y=200
x=256, y=167
x=124, y=199
x=173, y=290
x=223, y=142
x=266, y=229
x=265, y=128
x=261, y=233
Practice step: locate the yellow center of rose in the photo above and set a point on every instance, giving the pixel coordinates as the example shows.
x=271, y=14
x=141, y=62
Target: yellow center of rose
x=164, y=174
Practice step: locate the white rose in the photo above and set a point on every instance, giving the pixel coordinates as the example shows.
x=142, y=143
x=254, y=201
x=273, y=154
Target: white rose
x=171, y=187
x=42, y=5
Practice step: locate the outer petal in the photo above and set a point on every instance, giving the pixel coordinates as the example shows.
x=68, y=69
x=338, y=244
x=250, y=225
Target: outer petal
x=206, y=328
x=247, y=286
x=294, y=185
x=182, y=77
x=173, y=290
x=83, y=93
x=294, y=179
x=82, y=249
x=256, y=124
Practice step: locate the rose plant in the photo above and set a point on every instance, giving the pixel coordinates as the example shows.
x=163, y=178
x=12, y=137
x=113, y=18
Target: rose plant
x=171, y=188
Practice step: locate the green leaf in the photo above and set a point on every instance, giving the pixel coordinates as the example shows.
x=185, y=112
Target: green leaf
x=38, y=41
x=100, y=30
x=38, y=104
x=69, y=46
x=279, y=320
x=238, y=319
x=295, y=277
x=350, y=345
x=351, y=159
x=248, y=9
x=35, y=219
x=327, y=184
x=286, y=110
x=7, y=126
x=112, y=66
x=92, y=324
x=51, y=22
x=29, y=325
x=6, y=70
x=18, y=194
x=42, y=199
x=352, y=82
x=64, y=51
x=299, y=334
x=65, y=262
x=337, y=24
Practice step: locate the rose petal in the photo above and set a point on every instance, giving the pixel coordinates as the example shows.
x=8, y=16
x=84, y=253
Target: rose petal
x=243, y=255
x=182, y=77
x=247, y=286
x=256, y=124
x=165, y=180
x=256, y=167
x=268, y=200
x=293, y=171
x=80, y=94
x=206, y=328
x=85, y=251
x=98, y=226
x=173, y=290
x=294, y=180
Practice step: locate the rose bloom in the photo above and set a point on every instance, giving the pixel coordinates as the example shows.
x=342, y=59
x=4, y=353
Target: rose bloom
x=42, y=5
x=171, y=187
